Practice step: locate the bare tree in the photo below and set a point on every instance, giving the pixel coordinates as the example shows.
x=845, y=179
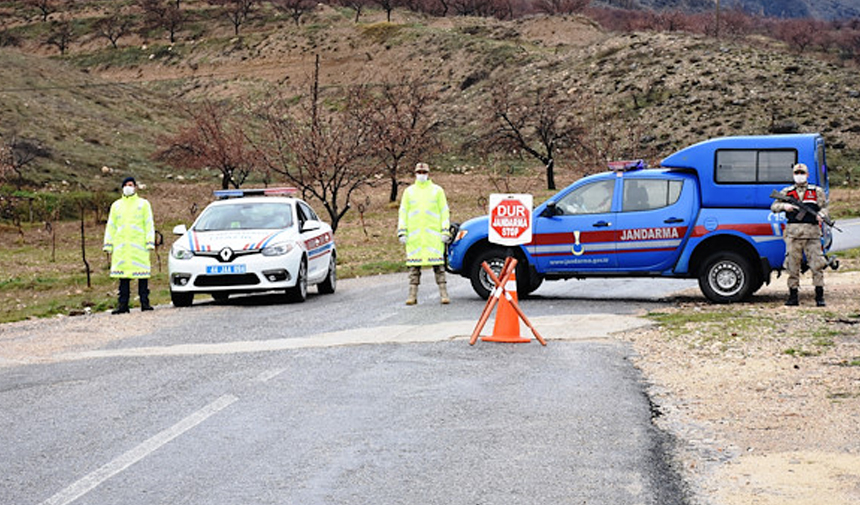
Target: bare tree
x=539, y=123
x=61, y=34
x=163, y=14
x=45, y=7
x=295, y=8
x=322, y=151
x=217, y=139
x=387, y=6
x=501, y=9
x=554, y=7
x=403, y=126
x=848, y=42
x=15, y=154
x=355, y=5
x=114, y=26
x=798, y=33
x=237, y=11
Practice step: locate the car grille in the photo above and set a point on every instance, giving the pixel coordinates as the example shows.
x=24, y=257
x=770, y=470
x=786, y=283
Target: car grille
x=226, y=280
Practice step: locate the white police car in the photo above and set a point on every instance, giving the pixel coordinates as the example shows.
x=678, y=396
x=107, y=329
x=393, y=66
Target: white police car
x=252, y=241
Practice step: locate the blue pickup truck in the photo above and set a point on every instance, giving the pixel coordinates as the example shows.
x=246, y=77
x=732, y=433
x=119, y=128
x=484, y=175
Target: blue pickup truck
x=703, y=214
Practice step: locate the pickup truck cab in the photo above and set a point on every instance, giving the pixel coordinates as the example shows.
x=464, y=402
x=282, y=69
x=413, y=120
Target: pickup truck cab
x=704, y=214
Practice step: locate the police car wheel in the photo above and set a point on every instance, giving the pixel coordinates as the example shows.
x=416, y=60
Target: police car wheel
x=181, y=299
x=726, y=277
x=327, y=286
x=299, y=292
x=495, y=259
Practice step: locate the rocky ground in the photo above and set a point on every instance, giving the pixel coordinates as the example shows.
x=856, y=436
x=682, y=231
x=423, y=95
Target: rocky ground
x=764, y=399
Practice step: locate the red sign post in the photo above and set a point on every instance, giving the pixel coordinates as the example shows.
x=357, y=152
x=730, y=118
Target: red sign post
x=510, y=224
x=510, y=219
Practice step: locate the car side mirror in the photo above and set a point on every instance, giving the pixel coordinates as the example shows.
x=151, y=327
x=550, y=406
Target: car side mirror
x=550, y=210
x=180, y=229
x=311, y=225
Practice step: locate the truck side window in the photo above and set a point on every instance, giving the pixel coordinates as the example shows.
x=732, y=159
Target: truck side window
x=594, y=198
x=754, y=165
x=650, y=194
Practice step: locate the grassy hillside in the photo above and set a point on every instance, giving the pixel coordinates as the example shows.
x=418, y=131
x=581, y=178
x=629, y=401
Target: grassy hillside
x=79, y=122
x=640, y=94
x=829, y=9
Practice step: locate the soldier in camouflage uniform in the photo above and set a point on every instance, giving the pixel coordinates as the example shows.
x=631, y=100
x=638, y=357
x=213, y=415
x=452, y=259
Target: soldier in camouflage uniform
x=803, y=234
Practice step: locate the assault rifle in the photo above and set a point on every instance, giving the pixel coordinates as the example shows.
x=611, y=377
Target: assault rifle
x=803, y=208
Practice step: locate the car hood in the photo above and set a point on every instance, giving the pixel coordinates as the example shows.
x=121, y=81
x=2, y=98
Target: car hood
x=237, y=240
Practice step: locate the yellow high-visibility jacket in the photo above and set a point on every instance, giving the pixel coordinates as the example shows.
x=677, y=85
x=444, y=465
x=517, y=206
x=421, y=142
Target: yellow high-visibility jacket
x=424, y=220
x=129, y=236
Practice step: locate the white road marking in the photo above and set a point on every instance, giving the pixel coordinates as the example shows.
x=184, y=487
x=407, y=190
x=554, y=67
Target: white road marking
x=97, y=477
x=270, y=374
x=562, y=327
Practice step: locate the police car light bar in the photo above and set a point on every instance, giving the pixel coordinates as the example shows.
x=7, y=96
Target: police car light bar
x=239, y=193
x=627, y=165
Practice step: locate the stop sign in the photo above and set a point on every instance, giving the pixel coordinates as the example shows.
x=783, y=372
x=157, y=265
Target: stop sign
x=510, y=219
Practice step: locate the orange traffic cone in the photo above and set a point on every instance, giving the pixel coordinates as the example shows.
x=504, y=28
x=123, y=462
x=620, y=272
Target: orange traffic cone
x=507, y=326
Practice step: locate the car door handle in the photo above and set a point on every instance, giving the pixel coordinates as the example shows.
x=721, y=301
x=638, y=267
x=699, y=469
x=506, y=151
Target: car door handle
x=601, y=224
x=674, y=220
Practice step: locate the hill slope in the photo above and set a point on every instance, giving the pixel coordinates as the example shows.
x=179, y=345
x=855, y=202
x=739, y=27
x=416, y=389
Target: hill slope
x=643, y=94
x=820, y=9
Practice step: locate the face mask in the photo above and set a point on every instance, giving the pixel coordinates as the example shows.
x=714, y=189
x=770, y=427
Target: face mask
x=128, y=190
x=800, y=178
x=422, y=177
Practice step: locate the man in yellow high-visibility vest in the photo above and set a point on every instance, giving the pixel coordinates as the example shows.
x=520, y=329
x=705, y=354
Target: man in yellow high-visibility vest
x=423, y=226
x=129, y=238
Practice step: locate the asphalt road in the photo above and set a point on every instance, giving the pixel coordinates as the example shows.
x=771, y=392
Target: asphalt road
x=351, y=398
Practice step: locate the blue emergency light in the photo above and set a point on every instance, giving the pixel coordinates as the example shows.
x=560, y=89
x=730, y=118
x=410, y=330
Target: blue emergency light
x=239, y=193
x=627, y=165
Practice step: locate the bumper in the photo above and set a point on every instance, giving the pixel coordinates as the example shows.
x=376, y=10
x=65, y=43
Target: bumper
x=259, y=273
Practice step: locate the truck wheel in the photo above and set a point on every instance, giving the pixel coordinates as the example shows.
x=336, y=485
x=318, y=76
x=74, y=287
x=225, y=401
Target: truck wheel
x=495, y=258
x=534, y=282
x=726, y=277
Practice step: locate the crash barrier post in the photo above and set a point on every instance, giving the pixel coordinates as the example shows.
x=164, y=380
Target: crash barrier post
x=507, y=326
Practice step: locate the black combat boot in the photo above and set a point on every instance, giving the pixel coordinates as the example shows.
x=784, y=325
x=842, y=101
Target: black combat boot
x=819, y=296
x=143, y=291
x=122, y=308
x=792, y=298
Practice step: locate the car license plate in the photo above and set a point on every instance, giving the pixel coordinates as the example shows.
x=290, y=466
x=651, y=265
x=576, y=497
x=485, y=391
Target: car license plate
x=225, y=269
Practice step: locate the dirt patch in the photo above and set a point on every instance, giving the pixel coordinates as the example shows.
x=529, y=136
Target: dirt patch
x=766, y=412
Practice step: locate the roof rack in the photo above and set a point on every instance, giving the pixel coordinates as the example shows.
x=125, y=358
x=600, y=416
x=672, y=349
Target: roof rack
x=627, y=165
x=239, y=193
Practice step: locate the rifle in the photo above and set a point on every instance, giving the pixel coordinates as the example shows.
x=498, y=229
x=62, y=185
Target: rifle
x=803, y=208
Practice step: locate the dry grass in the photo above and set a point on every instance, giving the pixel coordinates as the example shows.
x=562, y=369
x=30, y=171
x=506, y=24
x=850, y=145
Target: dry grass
x=38, y=283
x=43, y=273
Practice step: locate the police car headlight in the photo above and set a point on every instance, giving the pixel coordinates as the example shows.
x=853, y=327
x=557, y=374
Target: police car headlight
x=278, y=249
x=181, y=253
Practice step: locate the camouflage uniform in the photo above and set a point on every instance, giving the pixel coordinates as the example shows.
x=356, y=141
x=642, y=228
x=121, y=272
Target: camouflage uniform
x=803, y=236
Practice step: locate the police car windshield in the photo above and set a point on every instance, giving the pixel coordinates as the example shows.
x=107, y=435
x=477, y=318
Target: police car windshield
x=246, y=216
